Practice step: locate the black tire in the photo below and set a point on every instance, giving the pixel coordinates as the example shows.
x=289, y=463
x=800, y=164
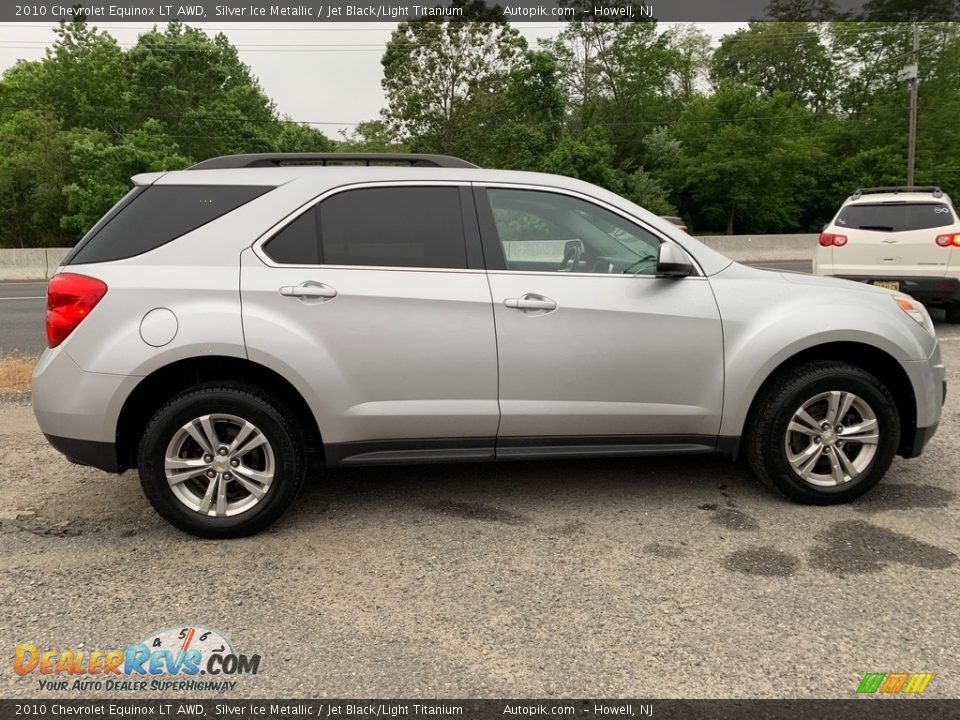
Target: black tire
x=267, y=415
x=782, y=396
x=953, y=313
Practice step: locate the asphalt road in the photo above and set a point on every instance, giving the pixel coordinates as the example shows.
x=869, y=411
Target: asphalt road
x=22, y=310
x=667, y=577
x=22, y=306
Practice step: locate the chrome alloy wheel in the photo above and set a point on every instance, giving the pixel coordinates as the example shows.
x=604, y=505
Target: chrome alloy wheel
x=832, y=438
x=219, y=465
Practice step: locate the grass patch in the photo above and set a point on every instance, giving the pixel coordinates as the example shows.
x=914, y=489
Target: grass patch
x=15, y=374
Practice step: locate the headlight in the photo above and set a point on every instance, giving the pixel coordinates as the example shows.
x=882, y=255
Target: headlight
x=915, y=310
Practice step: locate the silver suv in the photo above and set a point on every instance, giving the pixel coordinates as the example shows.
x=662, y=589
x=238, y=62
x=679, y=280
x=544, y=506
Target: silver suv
x=227, y=327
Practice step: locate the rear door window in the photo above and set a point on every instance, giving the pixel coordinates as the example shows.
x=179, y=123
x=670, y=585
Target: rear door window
x=419, y=227
x=159, y=214
x=891, y=217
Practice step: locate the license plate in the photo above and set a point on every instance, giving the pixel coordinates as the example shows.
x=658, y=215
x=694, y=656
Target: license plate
x=888, y=284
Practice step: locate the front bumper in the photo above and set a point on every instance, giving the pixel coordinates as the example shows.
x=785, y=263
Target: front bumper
x=924, y=289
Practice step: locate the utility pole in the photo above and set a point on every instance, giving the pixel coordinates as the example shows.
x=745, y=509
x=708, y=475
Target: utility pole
x=914, y=82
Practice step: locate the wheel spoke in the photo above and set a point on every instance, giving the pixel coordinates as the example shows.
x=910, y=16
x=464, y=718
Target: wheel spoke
x=833, y=407
x=805, y=417
x=836, y=470
x=211, y=433
x=208, y=496
x=804, y=461
x=846, y=402
x=794, y=426
x=179, y=470
x=849, y=470
x=865, y=432
x=256, y=440
x=242, y=435
x=221, y=496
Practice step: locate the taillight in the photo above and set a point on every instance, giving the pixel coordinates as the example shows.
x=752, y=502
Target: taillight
x=828, y=239
x=70, y=298
x=953, y=239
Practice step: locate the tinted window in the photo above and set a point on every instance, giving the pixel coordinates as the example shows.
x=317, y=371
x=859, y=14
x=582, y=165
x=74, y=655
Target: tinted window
x=159, y=214
x=393, y=227
x=895, y=217
x=297, y=243
x=550, y=232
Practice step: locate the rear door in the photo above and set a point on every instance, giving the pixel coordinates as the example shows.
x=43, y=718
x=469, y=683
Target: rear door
x=376, y=299
x=895, y=239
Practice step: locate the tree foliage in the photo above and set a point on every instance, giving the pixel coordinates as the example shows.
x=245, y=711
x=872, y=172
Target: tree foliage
x=75, y=125
x=764, y=133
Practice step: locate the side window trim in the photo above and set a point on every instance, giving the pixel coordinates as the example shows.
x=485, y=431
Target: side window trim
x=468, y=216
x=493, y=250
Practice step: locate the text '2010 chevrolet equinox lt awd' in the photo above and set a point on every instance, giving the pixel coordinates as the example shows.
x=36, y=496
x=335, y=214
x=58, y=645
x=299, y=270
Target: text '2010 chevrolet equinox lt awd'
x=225, y=327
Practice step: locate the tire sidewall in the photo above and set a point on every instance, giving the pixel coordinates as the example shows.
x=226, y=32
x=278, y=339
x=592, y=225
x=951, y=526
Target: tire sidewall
x=193, y=405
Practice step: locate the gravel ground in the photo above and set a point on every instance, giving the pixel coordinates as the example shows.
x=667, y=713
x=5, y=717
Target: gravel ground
x=674, y=577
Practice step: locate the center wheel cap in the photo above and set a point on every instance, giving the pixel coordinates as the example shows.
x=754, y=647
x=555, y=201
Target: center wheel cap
x=829, y=438
x=221, y=464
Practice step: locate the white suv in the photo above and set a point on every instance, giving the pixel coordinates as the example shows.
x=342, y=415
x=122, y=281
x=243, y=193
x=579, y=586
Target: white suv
x=905, y=239
x=227, y=327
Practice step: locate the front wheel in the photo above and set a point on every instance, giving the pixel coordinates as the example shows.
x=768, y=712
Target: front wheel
x=220, y=461
x=823, y=433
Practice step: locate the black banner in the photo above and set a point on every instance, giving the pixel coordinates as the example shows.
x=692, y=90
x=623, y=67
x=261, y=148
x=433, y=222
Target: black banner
x=856, y=709
x=220, y=11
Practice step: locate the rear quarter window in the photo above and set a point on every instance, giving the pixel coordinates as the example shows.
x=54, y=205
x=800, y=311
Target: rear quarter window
x=895, y=217
x=157, y=215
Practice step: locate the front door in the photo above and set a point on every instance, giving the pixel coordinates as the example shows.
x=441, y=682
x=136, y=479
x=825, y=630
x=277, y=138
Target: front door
x=594, y=350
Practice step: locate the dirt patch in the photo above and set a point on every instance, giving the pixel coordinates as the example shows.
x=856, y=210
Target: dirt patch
x=15, y=375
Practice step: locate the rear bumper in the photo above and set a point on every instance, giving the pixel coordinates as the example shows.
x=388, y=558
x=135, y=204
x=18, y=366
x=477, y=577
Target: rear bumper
x=77, y=410
x=101, y=455
x=929, y=289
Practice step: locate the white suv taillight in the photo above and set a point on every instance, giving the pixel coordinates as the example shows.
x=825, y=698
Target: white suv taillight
x=950, y=240
x=828, y=239
x=70, y=298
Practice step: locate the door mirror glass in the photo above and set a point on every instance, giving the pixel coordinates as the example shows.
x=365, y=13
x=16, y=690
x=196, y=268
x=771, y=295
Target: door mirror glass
x=672, y=261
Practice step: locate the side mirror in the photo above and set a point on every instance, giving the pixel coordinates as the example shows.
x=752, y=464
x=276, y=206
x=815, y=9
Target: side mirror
x=673, y=262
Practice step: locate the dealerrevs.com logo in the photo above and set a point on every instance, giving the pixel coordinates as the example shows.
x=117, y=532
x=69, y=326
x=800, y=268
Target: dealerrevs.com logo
x=188, y=658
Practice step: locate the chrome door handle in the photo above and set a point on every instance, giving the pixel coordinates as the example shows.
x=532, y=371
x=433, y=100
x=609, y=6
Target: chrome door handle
x=309, y=291
x=531, y=301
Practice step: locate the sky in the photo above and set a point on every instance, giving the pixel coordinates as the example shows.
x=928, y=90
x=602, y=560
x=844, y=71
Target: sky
x=328, y=76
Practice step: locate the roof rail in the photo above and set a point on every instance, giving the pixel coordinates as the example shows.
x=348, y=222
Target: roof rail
x=258, y=160
x=933, y=189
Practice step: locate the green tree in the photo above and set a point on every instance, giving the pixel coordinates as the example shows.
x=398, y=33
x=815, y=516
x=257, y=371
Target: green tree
x=205, y=98
x=747, y=163
x=34, y=167
x=435, y=72
x=103, y=170
x=785, y=57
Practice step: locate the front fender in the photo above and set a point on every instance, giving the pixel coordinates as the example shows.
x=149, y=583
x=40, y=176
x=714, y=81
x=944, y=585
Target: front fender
x=767, y=321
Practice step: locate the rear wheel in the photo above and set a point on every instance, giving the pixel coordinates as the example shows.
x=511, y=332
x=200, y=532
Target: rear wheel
x=823, y=433
x=221, y=461
x=953, y=313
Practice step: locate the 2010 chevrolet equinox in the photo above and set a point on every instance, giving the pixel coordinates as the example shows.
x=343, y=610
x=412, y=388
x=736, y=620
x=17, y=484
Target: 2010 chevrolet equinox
x=223, y=326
